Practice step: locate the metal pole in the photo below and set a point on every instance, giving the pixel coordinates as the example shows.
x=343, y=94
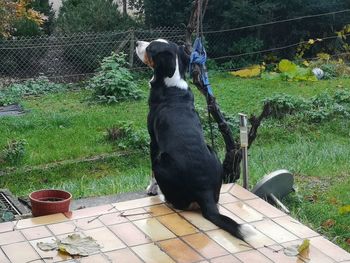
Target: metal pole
x=244, y=146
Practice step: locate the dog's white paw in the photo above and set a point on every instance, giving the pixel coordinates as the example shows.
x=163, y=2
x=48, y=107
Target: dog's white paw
x=152, y=188
x=248, y=232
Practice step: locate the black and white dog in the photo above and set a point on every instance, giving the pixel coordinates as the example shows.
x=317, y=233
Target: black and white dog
x=185, y=168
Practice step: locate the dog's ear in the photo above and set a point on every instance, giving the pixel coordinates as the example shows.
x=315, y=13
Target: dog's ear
x=163, y=59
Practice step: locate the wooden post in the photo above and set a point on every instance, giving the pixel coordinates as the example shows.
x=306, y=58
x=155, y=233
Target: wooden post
x=132, y=48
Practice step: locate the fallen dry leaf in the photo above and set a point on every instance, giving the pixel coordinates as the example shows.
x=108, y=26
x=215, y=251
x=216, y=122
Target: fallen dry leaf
x=328, y=223
x=304, y=246
x=73, y=244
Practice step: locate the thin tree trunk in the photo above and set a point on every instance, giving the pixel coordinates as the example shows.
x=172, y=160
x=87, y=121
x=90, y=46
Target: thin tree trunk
x=125, y=5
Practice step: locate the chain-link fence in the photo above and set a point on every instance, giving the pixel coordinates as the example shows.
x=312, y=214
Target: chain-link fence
x=73, y=57
x=67, y=57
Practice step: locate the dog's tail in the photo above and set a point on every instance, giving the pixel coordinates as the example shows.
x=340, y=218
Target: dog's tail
x=211, y=212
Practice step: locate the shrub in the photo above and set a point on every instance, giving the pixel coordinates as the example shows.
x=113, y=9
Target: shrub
x=321, y=107
x=114, y=82
x=126, y=137
x=13, y=93
x=13, y=153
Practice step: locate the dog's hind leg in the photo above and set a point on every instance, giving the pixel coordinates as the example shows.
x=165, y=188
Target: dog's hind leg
x=153, y=188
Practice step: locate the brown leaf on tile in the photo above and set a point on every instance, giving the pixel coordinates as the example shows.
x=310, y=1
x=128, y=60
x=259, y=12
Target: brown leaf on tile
x=329, y=223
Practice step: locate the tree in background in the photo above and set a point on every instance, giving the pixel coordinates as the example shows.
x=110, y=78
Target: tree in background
x=91, y=16
x=12, y=12
x=166, y=13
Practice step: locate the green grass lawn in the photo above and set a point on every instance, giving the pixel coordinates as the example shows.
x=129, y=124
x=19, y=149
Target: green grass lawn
x=65, y=126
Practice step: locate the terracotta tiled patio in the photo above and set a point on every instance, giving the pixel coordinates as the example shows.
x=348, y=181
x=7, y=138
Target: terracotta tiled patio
x=147, y=230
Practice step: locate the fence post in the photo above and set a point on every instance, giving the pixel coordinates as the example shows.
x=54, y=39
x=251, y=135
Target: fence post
x=132, y=48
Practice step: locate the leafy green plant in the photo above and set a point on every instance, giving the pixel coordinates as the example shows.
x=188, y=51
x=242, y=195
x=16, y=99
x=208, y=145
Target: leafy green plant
x=114, y=82
x=127, y=137
x=287, y=70
x=13, y=152
x=42, y=85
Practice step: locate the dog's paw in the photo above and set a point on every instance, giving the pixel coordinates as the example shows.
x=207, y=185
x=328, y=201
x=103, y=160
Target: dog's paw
x=152, y=188
x=247, y=232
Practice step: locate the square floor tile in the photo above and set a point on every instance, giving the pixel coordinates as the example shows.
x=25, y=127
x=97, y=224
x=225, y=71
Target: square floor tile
x=136, y=214
x=244, y=211
x=159, y=210
x=196, y=219
x=36, y=232
x=151, y=253
x=154, y=229
x=130, y=234
x=226, y=187
x=177, y=224
x=264, y=208
x=41, y=220
x=3, y=258
x=252, y=256
x=227, y=241
x=231, y=215
x=20, y=252
x=227, y=198
x=88, y=223
x=241, y=193
x=7, y=226
x=56, y=255
x=226, y=259
x=274, y=231
x=276, y=254
x=112, y=219
x=312, y=255
x=11, y=237
x=123, y=256
x=258, y=240
x=104, y=237
x=330, y=249
x=179, y=251
x=204, y=245
x=297, y=228
x=98, y=258
x=62, y=228
x=138, y=203
x=92, y=211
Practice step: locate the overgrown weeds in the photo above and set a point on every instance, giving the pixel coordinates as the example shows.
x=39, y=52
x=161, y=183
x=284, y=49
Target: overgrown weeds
x=13, y=153
x=40, y=86
x=125, y=136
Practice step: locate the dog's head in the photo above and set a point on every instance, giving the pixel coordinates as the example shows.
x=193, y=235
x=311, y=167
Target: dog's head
x=168, y=61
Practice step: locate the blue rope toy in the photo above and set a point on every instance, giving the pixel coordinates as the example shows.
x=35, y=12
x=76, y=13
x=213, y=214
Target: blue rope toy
x=199, y=56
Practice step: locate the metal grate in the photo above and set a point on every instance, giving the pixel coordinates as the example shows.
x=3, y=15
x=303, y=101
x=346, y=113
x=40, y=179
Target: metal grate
x=7, y=205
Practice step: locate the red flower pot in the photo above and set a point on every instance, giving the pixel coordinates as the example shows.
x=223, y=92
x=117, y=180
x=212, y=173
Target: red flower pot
x=48, y=201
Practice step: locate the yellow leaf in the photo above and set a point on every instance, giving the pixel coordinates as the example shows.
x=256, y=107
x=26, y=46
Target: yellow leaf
x=306, y=63
x=323, y=56
x=286, y=65
x=344, y=209
x=304, y=246
x=311, y=41
x=252, y=71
